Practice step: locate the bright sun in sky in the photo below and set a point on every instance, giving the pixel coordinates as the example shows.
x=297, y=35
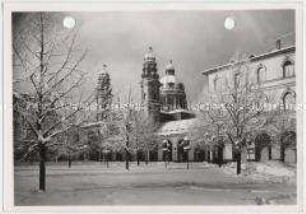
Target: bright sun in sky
x=69, y=22
x=229, y=23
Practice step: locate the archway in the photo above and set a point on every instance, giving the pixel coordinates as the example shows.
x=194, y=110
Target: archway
x=288, y=147
x=289, y=100
x=167, y=154
x=182, y=155
x=262, y=147
x=199, y=154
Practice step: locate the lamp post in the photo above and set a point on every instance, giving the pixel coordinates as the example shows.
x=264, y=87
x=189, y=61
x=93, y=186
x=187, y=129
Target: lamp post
x=186, y=148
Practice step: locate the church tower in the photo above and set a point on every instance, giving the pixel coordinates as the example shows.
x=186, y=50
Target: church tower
x=103, y=95
x=172, y=91
x=150, y=86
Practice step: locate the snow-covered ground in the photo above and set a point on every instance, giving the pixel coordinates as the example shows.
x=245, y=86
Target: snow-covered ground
x=93, y=183
x=268, y=172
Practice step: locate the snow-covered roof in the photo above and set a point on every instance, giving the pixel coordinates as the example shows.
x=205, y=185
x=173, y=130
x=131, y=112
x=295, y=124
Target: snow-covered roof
x=179, y=111
x=252, y=59
x=177, y=127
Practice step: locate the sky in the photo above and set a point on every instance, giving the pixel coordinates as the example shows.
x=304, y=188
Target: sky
x=193, y=40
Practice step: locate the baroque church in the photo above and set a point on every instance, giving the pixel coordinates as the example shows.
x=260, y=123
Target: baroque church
x=165, y=102
x=164, y=98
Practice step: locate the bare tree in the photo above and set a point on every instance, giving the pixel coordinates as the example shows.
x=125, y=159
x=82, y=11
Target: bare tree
x=124, y=125
x=144, y=133
x=71, y=145
x=47, y=67
x=283, y=125
x=237, y=109
x=208, y=134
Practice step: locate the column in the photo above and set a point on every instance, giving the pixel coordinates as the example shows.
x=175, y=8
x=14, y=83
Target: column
x=228, y=152
x=191, y=153
x=160, y=154
x=211, y=155
x=174, y=151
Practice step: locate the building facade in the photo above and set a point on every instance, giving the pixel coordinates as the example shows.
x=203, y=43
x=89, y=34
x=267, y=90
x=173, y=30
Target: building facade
x=164, y=99
x=274, y=73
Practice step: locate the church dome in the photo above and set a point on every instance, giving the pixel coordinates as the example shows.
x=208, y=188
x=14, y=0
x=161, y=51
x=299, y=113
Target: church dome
x=170, y=69
x=170, y=66
x=104, y=69
x=103, y=72
x=168, y=79
x=149, y=56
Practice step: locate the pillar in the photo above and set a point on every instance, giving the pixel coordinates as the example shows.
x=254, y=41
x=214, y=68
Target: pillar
x=174, y=152
x=211, y=155
x=160, y=154
x=191, y=153
x=264, y=154
x=275, y=149
x=228, y=152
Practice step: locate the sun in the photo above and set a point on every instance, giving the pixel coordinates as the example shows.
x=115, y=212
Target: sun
x=69, y=22
x=229, y=23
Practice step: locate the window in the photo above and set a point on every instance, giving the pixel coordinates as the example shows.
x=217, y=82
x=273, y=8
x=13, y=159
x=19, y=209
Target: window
x=289, y=101
x=261, y=74
x=288, y=69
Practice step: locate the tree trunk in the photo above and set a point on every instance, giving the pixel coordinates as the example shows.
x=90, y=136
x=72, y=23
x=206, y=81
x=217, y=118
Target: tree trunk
x=270, y=152
x=220, y=156
x=244, y=155
x=106, y=161
x=42, y=168
x=138, y=157
x=282, y=151
x=100, y=156
x=127, y=157
x=148, y=157
x=238, y=162
x=69, y=161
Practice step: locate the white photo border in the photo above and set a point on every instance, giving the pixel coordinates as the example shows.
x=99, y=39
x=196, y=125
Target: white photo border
x=8, y=184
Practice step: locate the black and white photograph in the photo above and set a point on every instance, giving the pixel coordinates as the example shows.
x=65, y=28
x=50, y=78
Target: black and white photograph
x=163, y=107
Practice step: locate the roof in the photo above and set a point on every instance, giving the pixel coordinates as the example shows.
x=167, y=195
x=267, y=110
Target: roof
x=177, y=111
x=252, y=59
x=177, y=127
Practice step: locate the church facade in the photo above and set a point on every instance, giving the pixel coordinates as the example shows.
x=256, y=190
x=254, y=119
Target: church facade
x=164, y=100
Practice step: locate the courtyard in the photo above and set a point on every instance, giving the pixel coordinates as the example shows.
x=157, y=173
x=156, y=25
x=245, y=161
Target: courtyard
x=92, y=183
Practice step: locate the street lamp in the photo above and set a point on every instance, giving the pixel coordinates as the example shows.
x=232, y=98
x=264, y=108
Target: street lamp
x=186, y=147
